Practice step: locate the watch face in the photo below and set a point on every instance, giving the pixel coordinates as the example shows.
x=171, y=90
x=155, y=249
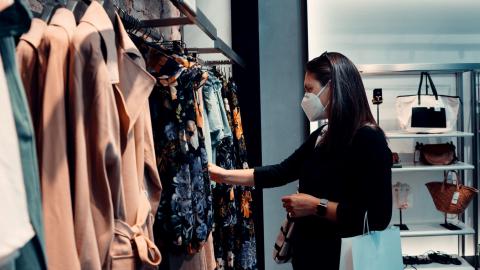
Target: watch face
x=321, y=210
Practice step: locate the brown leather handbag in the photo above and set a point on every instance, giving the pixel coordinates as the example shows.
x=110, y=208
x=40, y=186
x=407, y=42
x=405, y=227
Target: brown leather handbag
x=436, y=154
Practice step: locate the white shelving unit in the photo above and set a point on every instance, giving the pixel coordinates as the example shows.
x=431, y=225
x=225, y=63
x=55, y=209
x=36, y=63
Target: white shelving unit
x=419, y=167
x=405, y=135
x=434, y=229
x=436, y=266
x=428, y=229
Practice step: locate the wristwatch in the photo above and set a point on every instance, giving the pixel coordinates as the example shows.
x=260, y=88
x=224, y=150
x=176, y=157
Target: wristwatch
x=322, y=208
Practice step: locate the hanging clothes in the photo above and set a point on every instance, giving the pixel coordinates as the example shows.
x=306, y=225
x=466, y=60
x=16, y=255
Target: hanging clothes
x=14, y=21
x=217, y=116
x=15, y=228
x=171, y=68
x=234, y=233
x=247, y=247
x=42, y=54
x=30, y=64
x=184, y=219
x=141, y=180
x=112, y=147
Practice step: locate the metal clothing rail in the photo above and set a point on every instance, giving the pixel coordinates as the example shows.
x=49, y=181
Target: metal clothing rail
x=199, y=19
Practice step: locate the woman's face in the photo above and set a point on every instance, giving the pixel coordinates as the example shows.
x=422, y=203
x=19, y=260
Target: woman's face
x=312, y=85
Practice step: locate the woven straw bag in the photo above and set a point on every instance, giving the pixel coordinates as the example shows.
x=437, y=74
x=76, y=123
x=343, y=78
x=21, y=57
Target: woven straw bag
x=451, y=198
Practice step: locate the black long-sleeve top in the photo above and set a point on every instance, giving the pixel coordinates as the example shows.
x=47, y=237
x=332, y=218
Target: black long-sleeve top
x=359, y=179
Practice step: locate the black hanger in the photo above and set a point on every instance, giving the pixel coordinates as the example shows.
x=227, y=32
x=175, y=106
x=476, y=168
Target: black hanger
x=78, y=8
x=110, y=10
x=49, y=9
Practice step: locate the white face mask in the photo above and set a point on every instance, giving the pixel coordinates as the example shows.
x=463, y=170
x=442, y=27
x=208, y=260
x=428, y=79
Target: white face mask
x=313, y=107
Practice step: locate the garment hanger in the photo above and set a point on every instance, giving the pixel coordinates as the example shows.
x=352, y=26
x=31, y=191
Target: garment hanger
x=49, y=9
x=78, y=8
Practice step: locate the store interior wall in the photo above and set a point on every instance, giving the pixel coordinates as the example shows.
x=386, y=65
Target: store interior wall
x=393, y=32
x=282, y=60
x=219, y=13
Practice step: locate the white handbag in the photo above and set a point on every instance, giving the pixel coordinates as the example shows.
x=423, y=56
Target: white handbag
x=424, y=113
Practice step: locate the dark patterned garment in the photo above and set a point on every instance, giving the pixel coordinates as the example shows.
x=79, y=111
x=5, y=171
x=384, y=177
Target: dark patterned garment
x=185, y=215
x=234, y=233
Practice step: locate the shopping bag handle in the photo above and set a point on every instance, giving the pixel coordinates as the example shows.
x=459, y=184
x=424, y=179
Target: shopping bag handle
x=428, y=81
x=365, y=223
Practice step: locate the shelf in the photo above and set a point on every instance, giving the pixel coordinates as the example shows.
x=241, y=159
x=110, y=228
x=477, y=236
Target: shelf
x=198, y=18
x=405, y=135
x=409, y=167
x=392, y=69
x=434, y=229
x=436, y=266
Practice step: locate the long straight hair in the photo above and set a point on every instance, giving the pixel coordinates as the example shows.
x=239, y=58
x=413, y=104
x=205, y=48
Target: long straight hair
x=348, y=109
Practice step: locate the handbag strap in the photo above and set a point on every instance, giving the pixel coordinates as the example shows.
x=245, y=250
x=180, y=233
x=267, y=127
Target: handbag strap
x=445, y=178
x=432, y=85
x=428, y=81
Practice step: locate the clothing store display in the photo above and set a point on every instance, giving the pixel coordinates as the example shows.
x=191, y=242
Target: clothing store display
x=427, y=113
x=42, y=54
x=348, y=178
x=15, y=226
x=14, y=21
x=185, y=216
x=91, y=132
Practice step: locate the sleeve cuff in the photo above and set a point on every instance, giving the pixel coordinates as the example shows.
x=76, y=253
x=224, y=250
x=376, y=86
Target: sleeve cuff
x=260, y=177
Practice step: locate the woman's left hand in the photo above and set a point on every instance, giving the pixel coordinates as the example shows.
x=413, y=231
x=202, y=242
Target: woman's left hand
x=300, y=204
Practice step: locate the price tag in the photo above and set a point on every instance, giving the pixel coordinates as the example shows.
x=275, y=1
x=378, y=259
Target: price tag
x=455, y=197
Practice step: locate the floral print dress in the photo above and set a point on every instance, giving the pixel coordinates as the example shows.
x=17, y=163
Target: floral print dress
x=234, y=233
x=185, y=215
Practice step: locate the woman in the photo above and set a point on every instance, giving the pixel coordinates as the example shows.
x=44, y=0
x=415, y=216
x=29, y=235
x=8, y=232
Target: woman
x=344, y=168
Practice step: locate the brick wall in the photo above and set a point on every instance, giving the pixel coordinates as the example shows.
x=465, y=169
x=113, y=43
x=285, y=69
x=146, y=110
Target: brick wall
x=140, y=9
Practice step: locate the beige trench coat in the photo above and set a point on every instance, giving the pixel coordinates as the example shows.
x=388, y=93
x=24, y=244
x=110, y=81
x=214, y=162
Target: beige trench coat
x=117, y=188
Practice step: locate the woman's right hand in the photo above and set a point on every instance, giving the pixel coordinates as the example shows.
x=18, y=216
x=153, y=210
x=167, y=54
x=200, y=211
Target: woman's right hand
x=217, y=174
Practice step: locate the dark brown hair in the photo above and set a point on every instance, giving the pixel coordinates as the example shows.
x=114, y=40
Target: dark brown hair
x=348, y=109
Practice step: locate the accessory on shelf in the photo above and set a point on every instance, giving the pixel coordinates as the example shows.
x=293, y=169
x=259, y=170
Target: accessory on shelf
x=402, y=199
x=424, y=113
x=451, y=198
x=435, y=154
x=377, y=100
x=421, y=259
x=438, y=257
x=396, y=160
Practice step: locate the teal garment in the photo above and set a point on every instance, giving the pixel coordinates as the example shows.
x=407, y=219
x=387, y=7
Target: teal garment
x=13, y=22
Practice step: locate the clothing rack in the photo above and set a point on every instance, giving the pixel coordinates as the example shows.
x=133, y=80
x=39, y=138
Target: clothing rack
x=134, y=25
x=198, y=18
